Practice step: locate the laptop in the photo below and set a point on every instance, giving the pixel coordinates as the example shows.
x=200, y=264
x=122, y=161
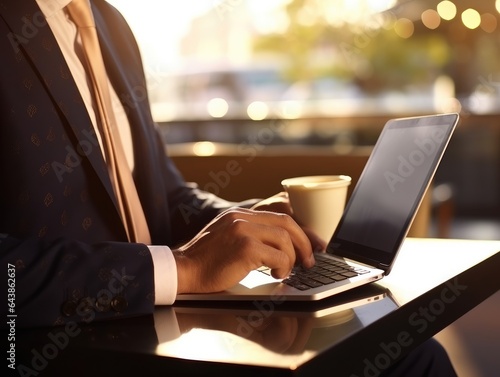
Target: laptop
x=375, y=221
x=341, y=302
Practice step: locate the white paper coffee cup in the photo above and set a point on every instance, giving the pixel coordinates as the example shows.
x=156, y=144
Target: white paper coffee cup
x=318, y=201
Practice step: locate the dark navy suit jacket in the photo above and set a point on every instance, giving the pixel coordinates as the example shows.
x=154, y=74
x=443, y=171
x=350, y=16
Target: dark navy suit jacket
x=59, y=223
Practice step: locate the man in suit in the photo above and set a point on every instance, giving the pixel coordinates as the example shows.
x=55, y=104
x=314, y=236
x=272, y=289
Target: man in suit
x=64, y=239
x=60, y=224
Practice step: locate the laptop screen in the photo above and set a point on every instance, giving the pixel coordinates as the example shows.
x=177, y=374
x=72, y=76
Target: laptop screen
x=391, y=187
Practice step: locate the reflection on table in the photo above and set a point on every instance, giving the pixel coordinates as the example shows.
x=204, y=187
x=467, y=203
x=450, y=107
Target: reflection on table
x=264, y=333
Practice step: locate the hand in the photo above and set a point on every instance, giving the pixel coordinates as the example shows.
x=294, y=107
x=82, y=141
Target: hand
x=280, y=203
x=237, y=242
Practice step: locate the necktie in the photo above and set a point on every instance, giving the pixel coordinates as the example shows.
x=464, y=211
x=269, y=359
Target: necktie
x=124, y=187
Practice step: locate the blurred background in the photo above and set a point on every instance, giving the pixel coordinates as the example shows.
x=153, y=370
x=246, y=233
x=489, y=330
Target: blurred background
x=283, y=86
x=332, y=72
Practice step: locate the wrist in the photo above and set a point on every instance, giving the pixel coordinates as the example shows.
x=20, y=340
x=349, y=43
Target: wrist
x=184, y=277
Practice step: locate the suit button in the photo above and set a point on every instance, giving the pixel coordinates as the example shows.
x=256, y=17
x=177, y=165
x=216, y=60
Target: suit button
x=85, y=305
x=119, y=304
x=85, y=309
x=103, y=303
x=68, y=308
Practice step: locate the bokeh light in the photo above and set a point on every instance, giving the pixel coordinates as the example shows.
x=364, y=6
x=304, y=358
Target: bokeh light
x=431, y=19
x=488, y=22
x=204, y=148
x=217, y=107
x=257, y=110
x=447, y=10
x=471, y=18
x=404, y=28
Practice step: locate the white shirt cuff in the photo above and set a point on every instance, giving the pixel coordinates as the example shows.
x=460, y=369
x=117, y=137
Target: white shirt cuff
x=165, y=272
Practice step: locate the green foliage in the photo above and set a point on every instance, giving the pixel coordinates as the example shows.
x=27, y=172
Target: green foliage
x=372, y=55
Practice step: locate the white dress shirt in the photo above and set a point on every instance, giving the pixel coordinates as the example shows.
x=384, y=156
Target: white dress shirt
x=66, y=34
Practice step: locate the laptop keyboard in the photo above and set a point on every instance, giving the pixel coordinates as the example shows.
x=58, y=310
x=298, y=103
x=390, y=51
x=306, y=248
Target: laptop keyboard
x=325, y=271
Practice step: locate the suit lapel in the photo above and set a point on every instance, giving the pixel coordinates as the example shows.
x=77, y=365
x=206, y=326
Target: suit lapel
x=32, y=37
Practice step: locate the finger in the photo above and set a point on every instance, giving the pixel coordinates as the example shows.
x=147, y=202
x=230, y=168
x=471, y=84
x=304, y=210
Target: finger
x=300, y=240
x=301, y=244
x=269, y=246
x=317, y=243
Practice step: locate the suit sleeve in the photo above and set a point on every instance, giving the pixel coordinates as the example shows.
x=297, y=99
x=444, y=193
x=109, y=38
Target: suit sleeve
x=65, y=281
